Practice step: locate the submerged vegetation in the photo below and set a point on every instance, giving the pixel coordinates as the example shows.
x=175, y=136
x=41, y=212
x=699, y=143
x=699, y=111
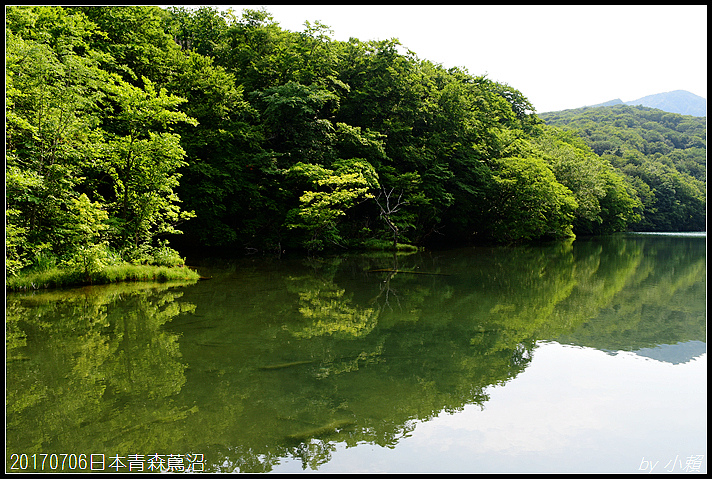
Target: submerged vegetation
x=129, y=126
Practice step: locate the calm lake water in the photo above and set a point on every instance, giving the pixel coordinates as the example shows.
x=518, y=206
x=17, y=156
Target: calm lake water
x=583, y=356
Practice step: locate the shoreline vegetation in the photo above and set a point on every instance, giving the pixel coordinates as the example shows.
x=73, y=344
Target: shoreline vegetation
x=58, y=277
x=51, y=277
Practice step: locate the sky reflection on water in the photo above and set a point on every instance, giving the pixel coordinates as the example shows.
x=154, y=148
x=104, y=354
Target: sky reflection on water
x=574, y=409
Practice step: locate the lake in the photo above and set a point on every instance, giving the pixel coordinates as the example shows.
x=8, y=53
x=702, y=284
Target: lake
x=574, y=356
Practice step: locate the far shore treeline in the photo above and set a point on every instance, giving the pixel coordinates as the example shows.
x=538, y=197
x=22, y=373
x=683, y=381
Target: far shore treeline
x=129, y=125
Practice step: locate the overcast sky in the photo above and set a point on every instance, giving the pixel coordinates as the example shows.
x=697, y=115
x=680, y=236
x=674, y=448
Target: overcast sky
x=559, y=57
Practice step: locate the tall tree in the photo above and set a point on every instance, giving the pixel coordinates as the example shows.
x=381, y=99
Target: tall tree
x=83, y=146
x=54, y=90
x=143, y=158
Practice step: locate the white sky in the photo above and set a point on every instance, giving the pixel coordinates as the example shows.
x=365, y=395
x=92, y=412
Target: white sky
x=559, y=57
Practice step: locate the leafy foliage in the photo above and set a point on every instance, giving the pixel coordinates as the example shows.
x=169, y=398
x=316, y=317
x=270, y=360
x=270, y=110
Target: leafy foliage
x=265, y=138
x=334, y=192
x=91, y=161
x=531, y=203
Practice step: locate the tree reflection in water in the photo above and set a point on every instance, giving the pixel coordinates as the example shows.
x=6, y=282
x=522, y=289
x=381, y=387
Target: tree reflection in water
x=283, y=359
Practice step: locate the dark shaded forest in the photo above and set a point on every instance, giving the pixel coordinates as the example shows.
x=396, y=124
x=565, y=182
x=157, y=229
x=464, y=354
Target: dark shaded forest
x=134, y=130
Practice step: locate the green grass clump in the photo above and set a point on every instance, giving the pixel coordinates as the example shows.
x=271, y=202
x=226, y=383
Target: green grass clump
x=58, y=277
x=387, y=245
x=132, y=272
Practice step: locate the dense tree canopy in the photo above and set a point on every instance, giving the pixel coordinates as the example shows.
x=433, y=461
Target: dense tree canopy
x=130, y=121
x=85, y=149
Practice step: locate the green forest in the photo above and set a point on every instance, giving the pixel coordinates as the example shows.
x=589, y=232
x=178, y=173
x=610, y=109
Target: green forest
x=135, y=131
x=663, y=155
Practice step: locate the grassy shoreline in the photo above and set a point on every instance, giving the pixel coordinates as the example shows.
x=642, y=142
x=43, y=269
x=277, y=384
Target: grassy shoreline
x=64, y=278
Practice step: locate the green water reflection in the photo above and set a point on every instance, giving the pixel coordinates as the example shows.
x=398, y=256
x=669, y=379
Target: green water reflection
x=274, y=359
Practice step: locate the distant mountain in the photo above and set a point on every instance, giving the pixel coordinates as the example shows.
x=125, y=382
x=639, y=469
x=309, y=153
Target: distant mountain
x=678, y=101
x=617, y=101
x=679, y=353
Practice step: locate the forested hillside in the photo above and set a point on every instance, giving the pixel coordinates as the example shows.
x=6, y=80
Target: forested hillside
x=664, y=155
x=129, y=125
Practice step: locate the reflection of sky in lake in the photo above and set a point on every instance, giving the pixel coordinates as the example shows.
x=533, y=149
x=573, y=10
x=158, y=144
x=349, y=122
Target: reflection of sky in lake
x=689, y=234
x=572, y=410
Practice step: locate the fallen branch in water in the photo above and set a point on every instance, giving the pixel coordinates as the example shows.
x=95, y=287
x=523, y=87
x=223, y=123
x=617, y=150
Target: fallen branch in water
x=326, y=430
x=285, y=365
x=403, y=271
